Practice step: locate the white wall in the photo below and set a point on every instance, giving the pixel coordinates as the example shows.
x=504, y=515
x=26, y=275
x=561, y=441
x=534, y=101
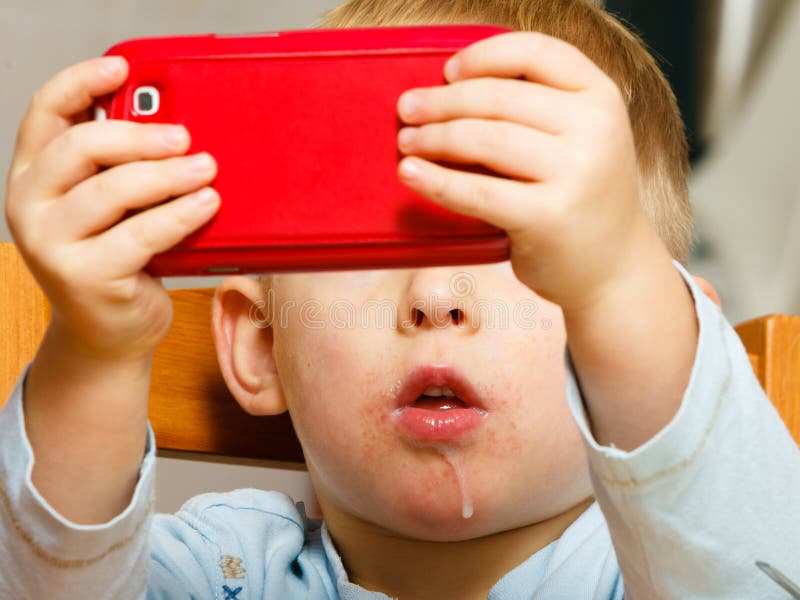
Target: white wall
x=747, y=194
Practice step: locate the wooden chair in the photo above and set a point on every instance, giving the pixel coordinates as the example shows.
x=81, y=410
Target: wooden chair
x=193, y=414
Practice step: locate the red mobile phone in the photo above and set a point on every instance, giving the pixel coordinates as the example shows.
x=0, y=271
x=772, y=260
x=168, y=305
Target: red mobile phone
x=303, y=125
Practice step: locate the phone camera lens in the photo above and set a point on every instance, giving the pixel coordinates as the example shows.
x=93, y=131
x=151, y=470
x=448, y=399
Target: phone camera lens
x=146, y=101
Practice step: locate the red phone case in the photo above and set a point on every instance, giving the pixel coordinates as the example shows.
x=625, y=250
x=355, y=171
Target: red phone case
x=303, y=125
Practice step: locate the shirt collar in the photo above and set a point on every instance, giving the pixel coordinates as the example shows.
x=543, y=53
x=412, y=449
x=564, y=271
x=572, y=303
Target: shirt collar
x=585, y=540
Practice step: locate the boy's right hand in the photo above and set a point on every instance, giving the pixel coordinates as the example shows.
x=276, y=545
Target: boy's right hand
x=66, y=214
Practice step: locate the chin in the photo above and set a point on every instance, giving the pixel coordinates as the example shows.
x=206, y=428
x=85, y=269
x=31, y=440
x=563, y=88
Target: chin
x=437, y=513
x=449, y=528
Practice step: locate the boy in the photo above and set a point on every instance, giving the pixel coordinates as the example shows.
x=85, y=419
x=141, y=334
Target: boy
x=445, y=459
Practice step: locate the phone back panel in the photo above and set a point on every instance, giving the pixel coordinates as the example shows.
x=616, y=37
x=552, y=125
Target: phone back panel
x=303, y=126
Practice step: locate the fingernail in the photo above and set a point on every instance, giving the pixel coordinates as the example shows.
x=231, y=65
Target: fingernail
x=408, y=104
x=410, y=169
x=111, y=66
x=175, y=136
x=406, y=137
x=200, y=163
x=205, y=198
x=451, y=68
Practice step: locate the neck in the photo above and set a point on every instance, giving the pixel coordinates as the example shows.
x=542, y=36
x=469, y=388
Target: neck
x=381, y=560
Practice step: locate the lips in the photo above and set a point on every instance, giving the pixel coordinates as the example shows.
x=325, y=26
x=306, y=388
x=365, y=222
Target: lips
x=438, y=403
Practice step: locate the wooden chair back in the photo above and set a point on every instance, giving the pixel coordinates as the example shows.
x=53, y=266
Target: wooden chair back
x=192, y=411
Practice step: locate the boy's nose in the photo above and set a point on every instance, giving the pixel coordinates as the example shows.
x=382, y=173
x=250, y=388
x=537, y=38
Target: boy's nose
x=439, y=297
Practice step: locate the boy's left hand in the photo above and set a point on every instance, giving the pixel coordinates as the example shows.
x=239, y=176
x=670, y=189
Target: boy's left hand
x=568, y=194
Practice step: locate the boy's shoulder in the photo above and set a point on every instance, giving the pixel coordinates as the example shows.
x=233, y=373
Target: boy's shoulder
x=249, y=516
x=247, y=504
x=256, y=539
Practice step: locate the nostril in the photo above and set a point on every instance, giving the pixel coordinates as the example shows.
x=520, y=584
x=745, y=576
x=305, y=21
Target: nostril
x=454, y=316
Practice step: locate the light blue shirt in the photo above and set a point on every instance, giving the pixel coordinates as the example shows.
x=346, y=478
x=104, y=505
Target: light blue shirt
x=685, y=515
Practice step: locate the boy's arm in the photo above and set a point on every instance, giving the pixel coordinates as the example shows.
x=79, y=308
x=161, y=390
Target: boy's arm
x=693, y=508
x=86, y=418
x=633, y=350
x=46, y=555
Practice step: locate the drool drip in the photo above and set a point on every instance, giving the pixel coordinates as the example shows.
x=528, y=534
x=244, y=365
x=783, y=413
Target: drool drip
x=455, y=461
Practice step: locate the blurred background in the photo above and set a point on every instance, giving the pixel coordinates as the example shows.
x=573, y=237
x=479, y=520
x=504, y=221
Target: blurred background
x=732, y=63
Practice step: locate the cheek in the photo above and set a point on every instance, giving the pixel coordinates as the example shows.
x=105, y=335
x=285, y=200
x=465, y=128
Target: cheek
x=531, y=421
x=528, y=384
x=374, y=419
x=325, y=374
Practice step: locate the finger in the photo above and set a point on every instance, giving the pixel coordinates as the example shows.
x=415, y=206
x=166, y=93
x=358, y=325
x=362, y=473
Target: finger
x=492, y=199
x=533, y=56
x=100, y=201
x=507, y=148
x=80, y=151
x=67, y=94
x=523, y=102
x=134, y=241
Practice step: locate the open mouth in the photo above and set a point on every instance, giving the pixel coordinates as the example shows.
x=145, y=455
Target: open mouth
x=438, y=403
x=438, y=398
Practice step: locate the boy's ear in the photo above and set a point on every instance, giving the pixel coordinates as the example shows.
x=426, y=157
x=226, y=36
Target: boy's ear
x=708, y=289
x=244, y=347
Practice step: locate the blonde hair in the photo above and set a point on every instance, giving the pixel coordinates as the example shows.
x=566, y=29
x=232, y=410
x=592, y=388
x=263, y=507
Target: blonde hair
x=661, y=146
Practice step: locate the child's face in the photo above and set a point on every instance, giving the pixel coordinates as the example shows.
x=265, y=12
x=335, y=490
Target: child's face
x=342, y=366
